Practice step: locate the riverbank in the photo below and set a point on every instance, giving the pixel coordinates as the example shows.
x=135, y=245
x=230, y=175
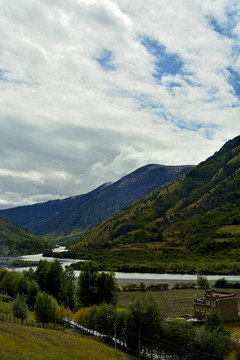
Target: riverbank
x=124, y=278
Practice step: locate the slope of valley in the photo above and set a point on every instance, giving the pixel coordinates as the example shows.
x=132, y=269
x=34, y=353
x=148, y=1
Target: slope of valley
x=70, y=218
x=15, y=240
x=196, y=218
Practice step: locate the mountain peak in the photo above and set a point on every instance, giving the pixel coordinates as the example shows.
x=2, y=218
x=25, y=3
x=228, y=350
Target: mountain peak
x=75, y=215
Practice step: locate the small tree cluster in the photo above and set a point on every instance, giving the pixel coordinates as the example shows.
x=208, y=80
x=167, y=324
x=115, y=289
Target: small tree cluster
x=95, y=287
x=14, y=283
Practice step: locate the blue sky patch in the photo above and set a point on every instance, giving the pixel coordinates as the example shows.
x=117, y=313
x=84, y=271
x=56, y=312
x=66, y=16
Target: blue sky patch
x=234, y=80
x=2, y=75
x=226, y=30
x=105, y=60
x=164, y=63
x=189, y=126
x=209, y=130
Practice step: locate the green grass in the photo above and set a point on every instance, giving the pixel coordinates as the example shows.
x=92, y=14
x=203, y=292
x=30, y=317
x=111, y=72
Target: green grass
x=233, y=229
x=22, y=342
x=172, y=302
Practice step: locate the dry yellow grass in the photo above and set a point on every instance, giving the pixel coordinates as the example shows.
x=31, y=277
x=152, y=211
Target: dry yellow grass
x=26, y=343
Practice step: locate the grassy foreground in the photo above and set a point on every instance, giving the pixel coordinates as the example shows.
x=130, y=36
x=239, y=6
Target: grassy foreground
x=22, y=342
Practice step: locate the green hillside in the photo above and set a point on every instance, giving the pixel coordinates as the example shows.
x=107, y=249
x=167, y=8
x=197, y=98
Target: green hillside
x=15, y=240
x=189, y=219
x=68, y=219
x=23, y=342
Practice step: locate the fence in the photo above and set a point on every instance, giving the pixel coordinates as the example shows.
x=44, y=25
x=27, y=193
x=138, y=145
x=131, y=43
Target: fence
x=10, y=318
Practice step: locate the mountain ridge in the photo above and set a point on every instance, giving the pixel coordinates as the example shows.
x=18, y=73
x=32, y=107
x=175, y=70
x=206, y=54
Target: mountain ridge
x=183, y=218
x=72, y=217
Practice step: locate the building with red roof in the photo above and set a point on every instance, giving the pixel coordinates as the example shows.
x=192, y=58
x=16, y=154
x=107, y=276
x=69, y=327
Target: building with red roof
x=225, y=303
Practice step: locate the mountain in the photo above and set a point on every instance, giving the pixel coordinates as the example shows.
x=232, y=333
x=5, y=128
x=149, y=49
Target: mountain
x=70, y=218
x=15, y=240
x=196, y=217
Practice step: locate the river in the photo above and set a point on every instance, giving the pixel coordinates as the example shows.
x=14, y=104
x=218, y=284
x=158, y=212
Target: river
x=135, y=278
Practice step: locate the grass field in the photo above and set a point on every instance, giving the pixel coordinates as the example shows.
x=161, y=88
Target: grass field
x=233, y=229
x=172, y=302
x=27, y=343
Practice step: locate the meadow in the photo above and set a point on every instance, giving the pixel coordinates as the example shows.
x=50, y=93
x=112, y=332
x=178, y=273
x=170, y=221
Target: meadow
x=174, y=302
x=27, y=343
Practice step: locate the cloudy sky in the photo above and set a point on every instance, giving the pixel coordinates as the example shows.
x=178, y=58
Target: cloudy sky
x=90, y=90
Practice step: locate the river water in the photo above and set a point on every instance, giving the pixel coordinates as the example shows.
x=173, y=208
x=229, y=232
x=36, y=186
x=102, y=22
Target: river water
x=135, y=278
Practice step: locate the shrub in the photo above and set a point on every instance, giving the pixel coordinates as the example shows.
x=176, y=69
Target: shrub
x=202, y=282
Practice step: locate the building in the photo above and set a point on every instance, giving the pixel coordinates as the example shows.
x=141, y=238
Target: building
x=225, y=303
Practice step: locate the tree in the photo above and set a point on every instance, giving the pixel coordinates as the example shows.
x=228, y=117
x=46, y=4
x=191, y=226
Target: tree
x=213, y=342
x=86, y=290
x=10, y=282
x=29, y=274
x=20, y=308
x=23, y=284
x=221, y=283
x=143, y=324
x=67, y=290
x=95, y=287
x=106, y=288
x=41, y=274
x=214, y=321
x=179, y=332
x=43, y=308
x=54, y=278
x=105, y=319
x=33, y=289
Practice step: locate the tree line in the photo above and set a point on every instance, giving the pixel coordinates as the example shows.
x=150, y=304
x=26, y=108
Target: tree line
x=141, y=327
x=50, y=289
x=53, y=292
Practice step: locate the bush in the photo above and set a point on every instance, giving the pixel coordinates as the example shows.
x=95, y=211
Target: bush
x=157, y=287
x=82, y=316
x=221, y=283
x=202, y=282
x=184, y=286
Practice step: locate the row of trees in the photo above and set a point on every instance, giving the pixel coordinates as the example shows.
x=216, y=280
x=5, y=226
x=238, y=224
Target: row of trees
x=144, y=331
x=140, y=326
x=50, y=285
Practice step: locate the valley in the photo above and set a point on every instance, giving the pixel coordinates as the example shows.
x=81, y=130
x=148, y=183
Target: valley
x=188, y=223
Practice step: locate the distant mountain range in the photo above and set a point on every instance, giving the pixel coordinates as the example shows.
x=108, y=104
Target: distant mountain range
x=195, y=216
x=70, y=218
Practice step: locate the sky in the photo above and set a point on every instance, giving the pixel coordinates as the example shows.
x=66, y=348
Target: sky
x=91, y=90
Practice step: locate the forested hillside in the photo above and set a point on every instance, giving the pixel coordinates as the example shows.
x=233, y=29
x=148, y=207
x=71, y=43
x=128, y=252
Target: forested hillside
x=15, y=240
x=72, y=217
x=198, y=216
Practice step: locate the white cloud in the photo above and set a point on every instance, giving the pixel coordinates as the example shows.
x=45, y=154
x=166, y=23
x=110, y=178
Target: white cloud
x=68, y=124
